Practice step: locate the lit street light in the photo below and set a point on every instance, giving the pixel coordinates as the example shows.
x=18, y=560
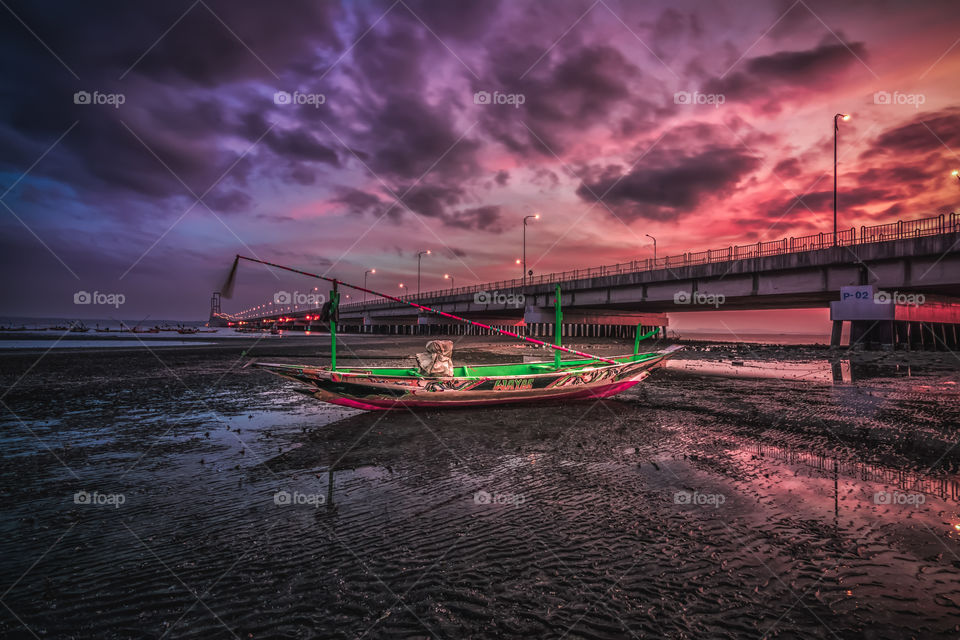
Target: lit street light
x=365, y=282
x=420, y=255
x=654, y=247
x=449, y=277
x=836, y=129
x=535, y=216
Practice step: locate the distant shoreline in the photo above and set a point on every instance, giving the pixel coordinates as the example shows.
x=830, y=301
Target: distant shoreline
x=21, y=342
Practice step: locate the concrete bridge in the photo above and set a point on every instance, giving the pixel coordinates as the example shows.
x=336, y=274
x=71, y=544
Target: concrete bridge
x=907, y=257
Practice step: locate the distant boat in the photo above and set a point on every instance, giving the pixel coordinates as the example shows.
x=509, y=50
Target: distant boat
x=137, y=329
x=13, y=328
x=79, y=327
x=187, y=331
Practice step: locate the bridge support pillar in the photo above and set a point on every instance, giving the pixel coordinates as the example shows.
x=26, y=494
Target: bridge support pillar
x=874, y=321
x=859, y=330
x=929, y=337
x=837, y=333
x=901, y=337
x=915, y=337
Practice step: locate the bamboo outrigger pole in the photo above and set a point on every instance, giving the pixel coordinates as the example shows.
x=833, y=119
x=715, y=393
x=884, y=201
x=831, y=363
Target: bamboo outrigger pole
x=227, y=292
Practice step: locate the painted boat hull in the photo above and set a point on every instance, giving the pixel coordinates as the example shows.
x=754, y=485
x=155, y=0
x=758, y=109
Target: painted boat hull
x=370, y=391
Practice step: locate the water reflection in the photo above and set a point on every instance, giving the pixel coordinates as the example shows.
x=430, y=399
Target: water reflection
x=943, y=487
x=871, y=498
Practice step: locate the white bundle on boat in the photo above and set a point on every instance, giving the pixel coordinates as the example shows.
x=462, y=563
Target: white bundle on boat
x=436, y=361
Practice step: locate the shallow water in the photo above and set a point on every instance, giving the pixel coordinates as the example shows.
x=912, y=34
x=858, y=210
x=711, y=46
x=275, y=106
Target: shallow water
x=695, y=505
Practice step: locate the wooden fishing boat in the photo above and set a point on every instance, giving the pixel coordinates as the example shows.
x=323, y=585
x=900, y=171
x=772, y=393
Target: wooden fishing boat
x=479, y=385
x=79, y=327
x=435, y=382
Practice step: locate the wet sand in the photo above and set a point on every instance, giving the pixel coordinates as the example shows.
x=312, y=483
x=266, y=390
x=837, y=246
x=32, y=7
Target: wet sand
x=699, y=504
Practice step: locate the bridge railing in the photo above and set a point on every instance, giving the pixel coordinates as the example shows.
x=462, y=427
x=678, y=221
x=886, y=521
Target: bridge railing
x=902, y=229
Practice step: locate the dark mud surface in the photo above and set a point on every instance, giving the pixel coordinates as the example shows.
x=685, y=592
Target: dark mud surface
x=175, y=494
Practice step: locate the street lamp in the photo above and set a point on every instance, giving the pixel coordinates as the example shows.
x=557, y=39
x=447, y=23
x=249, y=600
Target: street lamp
x=365, y=283
x=420, y=255
x=449, y=277
x=654, y=247
x=836, y=129
x=956, y=174
x=535, y=216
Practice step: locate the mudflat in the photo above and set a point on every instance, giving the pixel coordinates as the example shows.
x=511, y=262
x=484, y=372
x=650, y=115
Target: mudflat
x=747, y=491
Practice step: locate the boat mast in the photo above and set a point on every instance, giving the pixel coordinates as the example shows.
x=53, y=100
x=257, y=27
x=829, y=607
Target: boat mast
x=638, y=338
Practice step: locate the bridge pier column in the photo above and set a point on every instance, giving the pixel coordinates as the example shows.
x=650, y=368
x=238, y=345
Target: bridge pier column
x=915, y=336
x=929, y=337
x=901, y=335
x=858, y=333
x=881, y=334
x=836, y=333
x=888, y=334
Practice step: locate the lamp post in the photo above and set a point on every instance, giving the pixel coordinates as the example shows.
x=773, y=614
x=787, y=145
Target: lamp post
x=535, y=216
x=836, y=130
x=420, y=255
x=956, y=174
x=654, y=247
x=365, y=283
x=449, y=277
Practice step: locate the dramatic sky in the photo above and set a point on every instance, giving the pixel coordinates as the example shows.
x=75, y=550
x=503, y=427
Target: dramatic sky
x=184, y=155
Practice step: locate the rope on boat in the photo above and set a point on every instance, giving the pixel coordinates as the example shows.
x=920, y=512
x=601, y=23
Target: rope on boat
x=227, y=292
